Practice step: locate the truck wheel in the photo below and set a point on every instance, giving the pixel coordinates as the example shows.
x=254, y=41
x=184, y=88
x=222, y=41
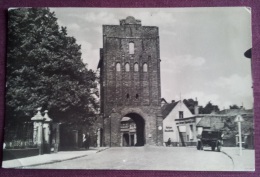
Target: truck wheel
x=198, y=146
x=213, y=148
x=219, y=148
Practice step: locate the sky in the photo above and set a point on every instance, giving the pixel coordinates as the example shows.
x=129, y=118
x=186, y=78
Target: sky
x=201, y=49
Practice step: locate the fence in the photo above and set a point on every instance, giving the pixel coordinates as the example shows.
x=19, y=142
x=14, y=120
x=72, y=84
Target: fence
x=20, y=136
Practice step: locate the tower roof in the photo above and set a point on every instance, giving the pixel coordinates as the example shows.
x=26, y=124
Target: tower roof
x=130, y=21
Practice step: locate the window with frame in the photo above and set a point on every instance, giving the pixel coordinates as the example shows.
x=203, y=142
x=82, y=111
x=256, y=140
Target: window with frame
x=180, y=114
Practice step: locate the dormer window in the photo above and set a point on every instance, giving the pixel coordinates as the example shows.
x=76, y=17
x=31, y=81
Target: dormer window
x=131, y=48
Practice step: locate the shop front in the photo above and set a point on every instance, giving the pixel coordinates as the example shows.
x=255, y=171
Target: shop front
x=186, y=129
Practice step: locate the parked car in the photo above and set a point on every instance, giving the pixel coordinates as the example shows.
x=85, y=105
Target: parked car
x=210, y=138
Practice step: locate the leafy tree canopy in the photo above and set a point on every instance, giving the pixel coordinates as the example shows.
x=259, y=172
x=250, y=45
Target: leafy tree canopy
x=190, y=103
x=45, y=69
x=233, y=106
x=209, y=108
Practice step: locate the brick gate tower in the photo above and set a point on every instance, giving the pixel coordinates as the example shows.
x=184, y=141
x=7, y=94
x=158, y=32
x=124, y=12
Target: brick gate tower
x=130, y=83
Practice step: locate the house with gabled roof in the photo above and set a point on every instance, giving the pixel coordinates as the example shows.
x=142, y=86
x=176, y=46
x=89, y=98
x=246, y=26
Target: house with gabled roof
x=182, y=127
x=179, y=134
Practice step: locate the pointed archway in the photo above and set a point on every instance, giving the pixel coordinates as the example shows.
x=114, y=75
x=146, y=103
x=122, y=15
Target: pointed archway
x=132, y=130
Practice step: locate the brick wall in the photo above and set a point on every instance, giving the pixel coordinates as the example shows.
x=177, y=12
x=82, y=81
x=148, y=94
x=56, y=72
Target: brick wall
x=132, y=91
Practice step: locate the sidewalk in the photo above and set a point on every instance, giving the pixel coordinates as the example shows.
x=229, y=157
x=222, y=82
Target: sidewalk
x=49, y=158
x=246, y=162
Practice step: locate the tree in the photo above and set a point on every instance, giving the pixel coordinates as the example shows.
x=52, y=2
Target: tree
x=190, y=103
x=233, y=106
x=45, y=69
x=209, y=108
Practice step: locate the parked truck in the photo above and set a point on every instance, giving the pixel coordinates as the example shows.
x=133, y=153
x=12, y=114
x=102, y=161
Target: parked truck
x=211, y=138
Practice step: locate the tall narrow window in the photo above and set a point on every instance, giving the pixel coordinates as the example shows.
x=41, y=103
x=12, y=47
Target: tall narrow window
x=136, y=67
x=127, y=67
x=131, y=48
x=118, y=67
x=145, y=67
x=180, y=114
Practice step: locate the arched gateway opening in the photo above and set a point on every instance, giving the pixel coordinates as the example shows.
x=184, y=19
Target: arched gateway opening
x=132, y=130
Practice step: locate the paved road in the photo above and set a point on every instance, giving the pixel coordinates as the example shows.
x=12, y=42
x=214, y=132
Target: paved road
x=149, y=158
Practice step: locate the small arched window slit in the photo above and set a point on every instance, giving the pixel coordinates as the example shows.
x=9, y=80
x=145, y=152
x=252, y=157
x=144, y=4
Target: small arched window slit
x=135, y=67
x=145, y=67
x=127, y=67
x=131, y=48
x=118, y=67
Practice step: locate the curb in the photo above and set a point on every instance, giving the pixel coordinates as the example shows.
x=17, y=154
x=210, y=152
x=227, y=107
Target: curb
x=56, y=161
x=230, y=158
x=51, y=162
x=102, y=149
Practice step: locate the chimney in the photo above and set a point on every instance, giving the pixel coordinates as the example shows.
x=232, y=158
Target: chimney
x=196, y=107
x=196, y=110
x=173, y=101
